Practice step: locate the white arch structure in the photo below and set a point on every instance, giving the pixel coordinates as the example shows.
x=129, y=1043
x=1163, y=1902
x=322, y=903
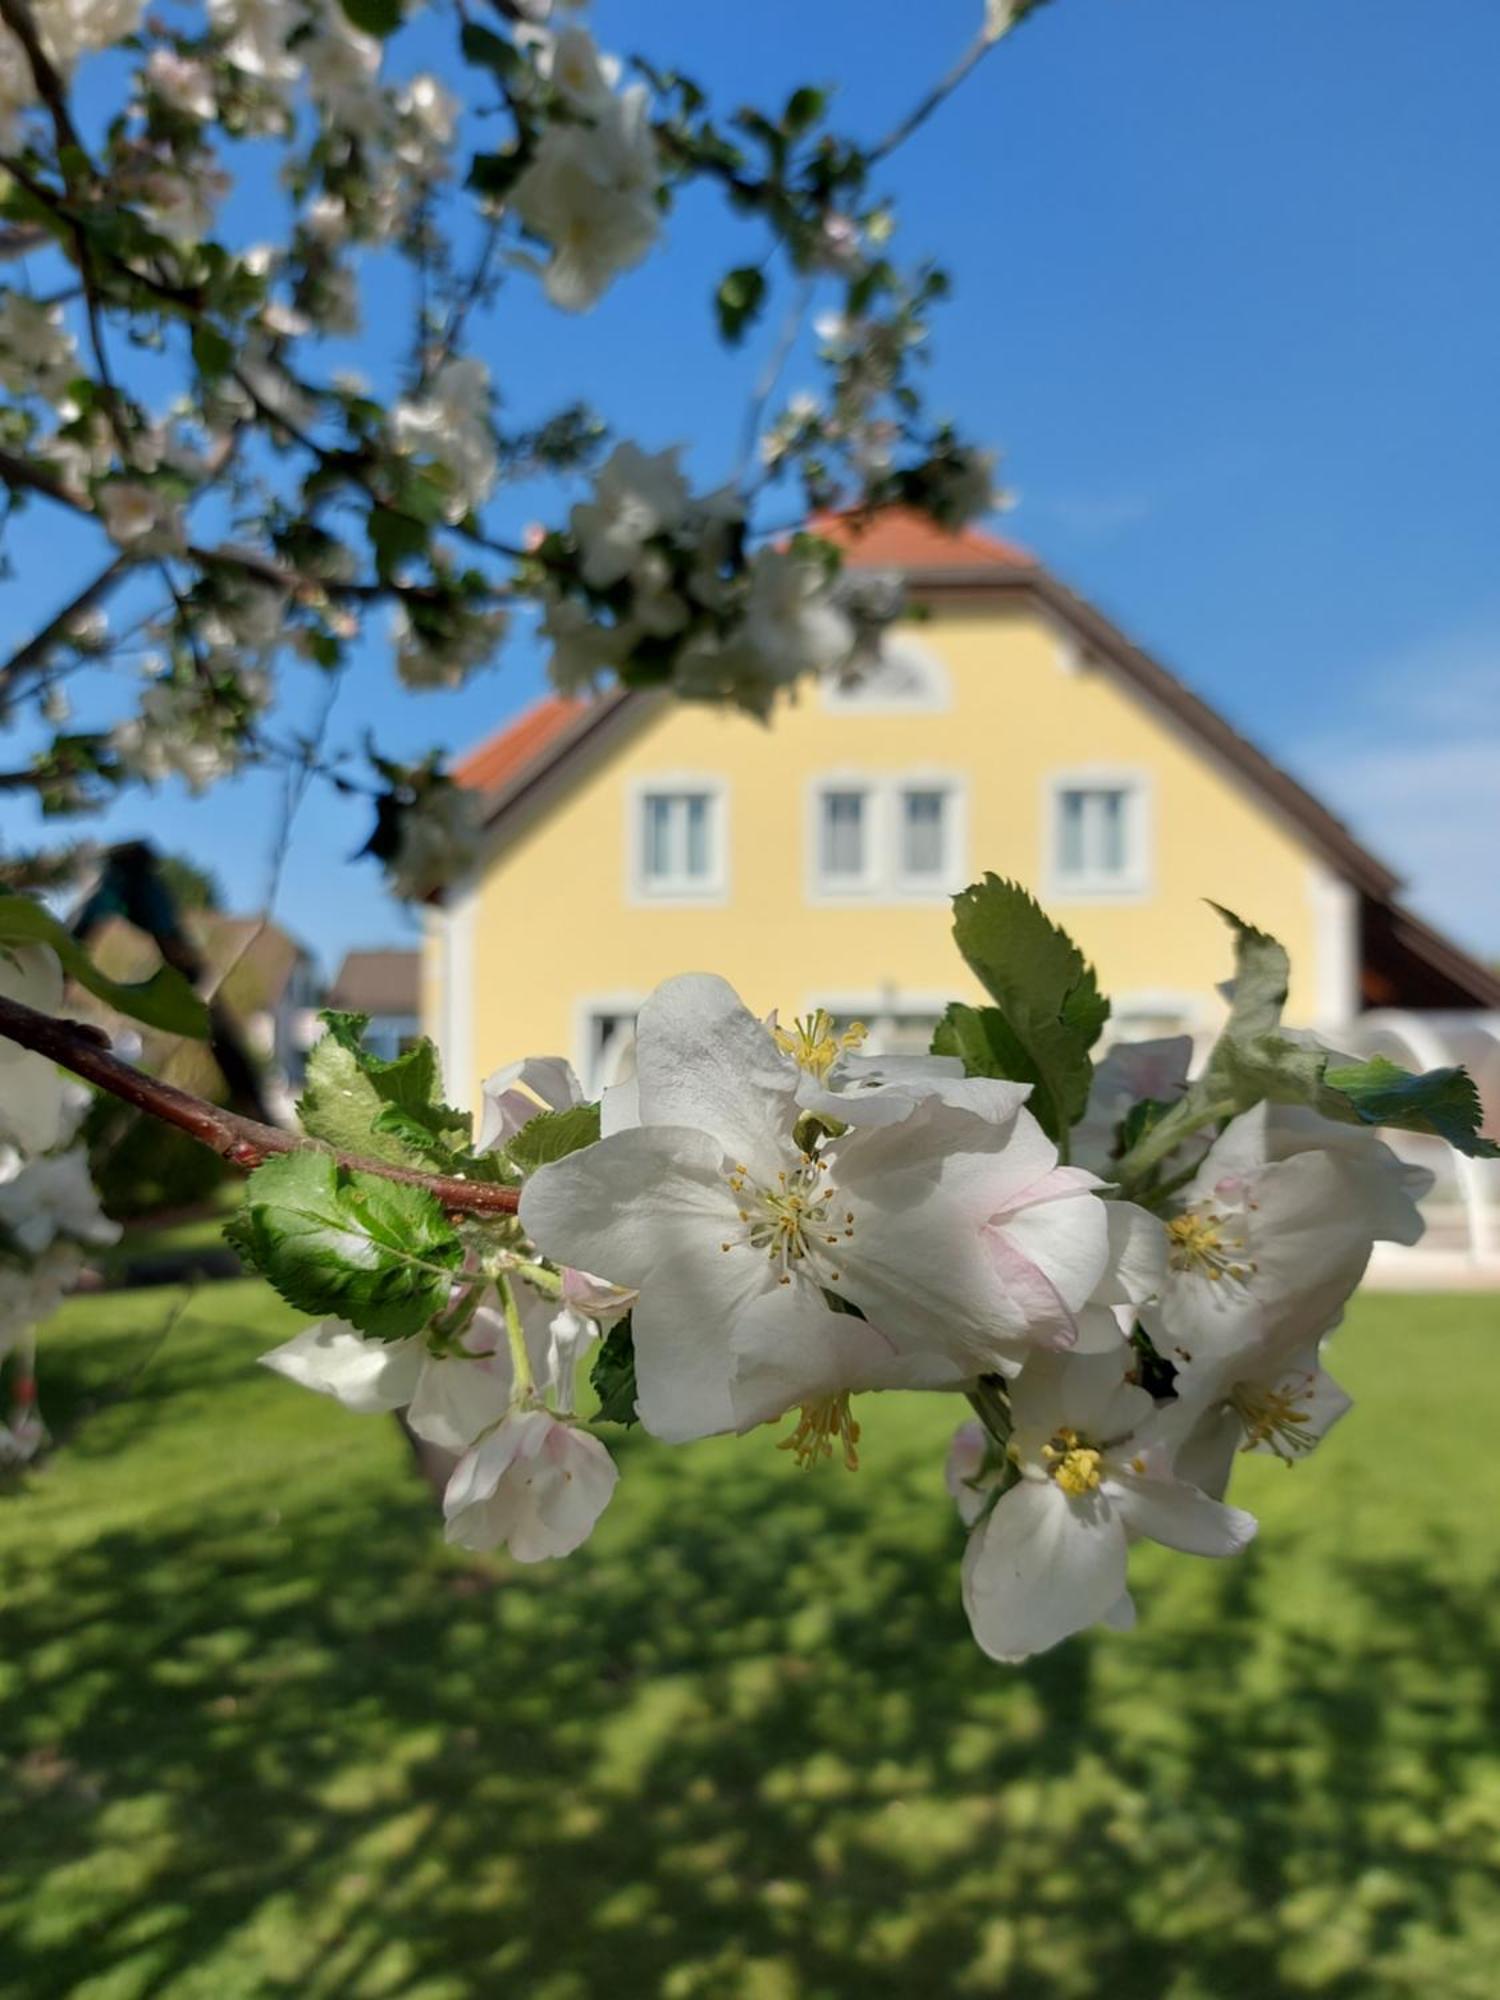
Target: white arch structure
x=1427, y=1042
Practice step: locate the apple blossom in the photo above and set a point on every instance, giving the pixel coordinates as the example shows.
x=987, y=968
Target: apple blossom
x=31, y=1090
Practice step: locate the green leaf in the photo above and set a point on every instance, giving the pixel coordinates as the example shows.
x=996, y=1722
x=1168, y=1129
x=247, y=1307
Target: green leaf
x=1443, y=1102
x=739, y=299
x=372, y=1251
x=803, y=108
x=376, y=17
x=495, y=174
x=164, y=1001
x=390, y=1110
x=393, y=538
x=1262, y=974
x=552, y=1135
x=612, y=1376
x=1050, y=1009
x=211, y=350
x=483, y=45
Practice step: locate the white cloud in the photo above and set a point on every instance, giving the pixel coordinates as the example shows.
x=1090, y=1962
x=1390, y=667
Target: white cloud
x=1415, y=770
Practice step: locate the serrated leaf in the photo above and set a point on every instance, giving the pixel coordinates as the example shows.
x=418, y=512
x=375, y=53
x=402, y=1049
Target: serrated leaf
x=372, y=1251
x=1045, y=992
x=1262, y=976
x=1442, y=1102
x=164, y=1001
x=385, y=1108
x=552, y=1135
x=612, y=1376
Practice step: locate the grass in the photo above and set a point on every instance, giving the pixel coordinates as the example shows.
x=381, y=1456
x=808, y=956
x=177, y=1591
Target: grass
x=261, y=1735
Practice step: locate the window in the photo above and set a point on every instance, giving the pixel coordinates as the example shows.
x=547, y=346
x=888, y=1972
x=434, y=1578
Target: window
x=844, y=837
x=902, y=674
x=608, y=1046
x=900, y=838
x=924, y=834
x=1098, y=836
x=679, y=842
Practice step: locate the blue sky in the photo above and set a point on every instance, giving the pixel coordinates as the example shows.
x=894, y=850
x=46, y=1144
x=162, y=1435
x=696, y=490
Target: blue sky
x=1228, y=300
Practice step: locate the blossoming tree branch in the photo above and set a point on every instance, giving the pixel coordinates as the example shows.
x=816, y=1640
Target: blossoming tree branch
x=1121, y=1275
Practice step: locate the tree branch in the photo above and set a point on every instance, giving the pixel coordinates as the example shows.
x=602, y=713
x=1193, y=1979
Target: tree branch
x=244, y=1142
x=36, y=649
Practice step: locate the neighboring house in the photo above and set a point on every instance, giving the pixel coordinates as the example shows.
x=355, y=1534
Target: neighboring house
x=1014, y=728
x=269, y=980
x=386, y=985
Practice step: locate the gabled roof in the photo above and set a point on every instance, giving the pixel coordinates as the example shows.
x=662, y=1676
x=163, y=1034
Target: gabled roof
x=378, y=982
x=975, y=570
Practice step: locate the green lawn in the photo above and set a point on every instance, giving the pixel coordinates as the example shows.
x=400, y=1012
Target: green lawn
x=261, y=1735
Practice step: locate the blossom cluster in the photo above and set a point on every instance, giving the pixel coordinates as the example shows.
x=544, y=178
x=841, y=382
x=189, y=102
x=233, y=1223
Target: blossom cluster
x=790, y=1224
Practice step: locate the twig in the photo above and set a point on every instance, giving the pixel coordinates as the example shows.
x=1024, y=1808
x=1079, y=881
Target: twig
x=244, y=1142
x=940, y=92
x=34, y=653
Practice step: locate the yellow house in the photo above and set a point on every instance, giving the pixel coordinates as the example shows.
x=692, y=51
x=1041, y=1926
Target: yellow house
x=1013, y=728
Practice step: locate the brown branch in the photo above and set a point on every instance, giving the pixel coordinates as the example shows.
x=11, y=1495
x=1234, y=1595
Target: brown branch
x=33, y=655
x=244, y=1142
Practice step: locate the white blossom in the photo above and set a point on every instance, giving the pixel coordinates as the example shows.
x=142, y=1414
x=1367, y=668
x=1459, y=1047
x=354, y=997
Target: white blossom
x=1049, y=1557
x=51, y=1197
x=450, y=423
x=954, y=1232
x=255, y=33
x=590, y=193
x=140, y=518
x=637, y=495
x=181, y=82
x=38, y=355
x=511, y=1097
x=534, y=1483
x=439, y=839
x=430, y=658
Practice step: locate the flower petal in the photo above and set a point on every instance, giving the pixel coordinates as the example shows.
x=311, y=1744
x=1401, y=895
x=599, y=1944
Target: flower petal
x=630, y=1202
x=1040, y=1568
x=337, y=1360
x=790, y=1348
x=704, y=1061
x=1180, y=1517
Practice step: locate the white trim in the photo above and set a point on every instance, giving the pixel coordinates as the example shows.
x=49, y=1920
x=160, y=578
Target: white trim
x=864, y=695
x=639, y=890
x=882, y=881
x=453, y=1030
x=586, y=1010
x=1135, y=884
x=1335, y=908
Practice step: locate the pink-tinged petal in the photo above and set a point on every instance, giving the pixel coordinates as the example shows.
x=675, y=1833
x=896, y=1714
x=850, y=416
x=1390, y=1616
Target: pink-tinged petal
x=572, y=1480
x=704, y=1061
x=1180, y=1517
x=1064, y=1232
x=337, y=1360
x=1041, y=1567
x=790, y=1348
x=1030, y=1294
x=535, y=1484
x=631, y=1202
x=516, y=1094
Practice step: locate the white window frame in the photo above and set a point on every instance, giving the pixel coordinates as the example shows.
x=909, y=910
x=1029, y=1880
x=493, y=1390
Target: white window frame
x=1135, y=880
x=866, y=697
x=884, y=880
x=586, y=1012
x=640, y=886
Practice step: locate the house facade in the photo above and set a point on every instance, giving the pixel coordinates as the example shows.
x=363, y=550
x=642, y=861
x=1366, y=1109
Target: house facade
x=1010, y=727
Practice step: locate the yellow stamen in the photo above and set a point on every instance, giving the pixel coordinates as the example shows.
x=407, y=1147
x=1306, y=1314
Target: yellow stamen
x=1211, y=1244
x=1073, y=1464
x=814, y=1046
x=819, y=1425
x=1273, y=1417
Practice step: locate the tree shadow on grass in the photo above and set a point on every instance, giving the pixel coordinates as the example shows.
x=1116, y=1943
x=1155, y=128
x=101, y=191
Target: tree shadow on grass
x=281, y=1743
x=742, y=1745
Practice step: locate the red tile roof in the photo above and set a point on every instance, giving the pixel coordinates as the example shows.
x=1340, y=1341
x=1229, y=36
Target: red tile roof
x=900, y=538
x=501, y=758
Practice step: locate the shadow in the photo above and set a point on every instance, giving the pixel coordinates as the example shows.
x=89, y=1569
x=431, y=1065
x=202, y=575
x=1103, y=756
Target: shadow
x=740, y=1746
